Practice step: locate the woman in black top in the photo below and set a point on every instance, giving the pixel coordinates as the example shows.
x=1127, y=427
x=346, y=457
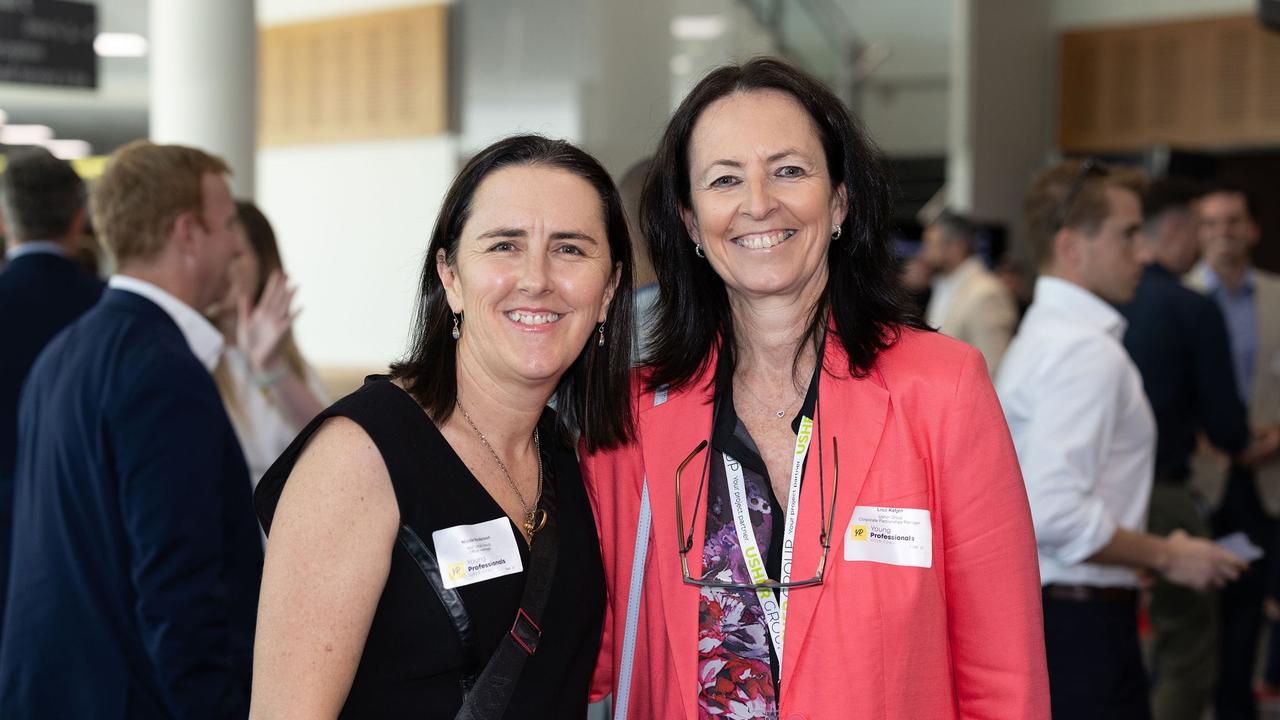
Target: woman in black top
x=430, y=530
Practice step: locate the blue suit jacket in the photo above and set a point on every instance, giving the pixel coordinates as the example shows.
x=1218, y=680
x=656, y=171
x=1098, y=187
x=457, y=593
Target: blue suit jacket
x=40, y=294
x=136, y=556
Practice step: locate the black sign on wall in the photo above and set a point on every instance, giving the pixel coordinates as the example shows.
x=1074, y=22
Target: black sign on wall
x=48, y=42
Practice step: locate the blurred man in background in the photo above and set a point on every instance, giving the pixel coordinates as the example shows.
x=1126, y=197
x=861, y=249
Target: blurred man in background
x=1250, y=303
x=134, y=535
x=968, y=302
x=42, y=289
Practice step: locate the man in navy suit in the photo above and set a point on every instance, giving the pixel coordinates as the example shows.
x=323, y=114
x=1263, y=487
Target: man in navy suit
x=41, y=290
x=136, y=557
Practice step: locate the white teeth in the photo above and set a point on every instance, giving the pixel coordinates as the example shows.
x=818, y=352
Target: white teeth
x=760, y=242
x=526, y=318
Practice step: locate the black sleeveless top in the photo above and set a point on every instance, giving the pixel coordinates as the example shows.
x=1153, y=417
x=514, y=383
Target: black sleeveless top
x=413, y=662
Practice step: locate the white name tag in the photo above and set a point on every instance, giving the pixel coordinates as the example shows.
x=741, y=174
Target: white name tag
x=474, y=553
x=896, y=536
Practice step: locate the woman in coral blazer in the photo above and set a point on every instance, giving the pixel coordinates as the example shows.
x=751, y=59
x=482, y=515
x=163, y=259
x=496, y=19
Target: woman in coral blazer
x=822, y=515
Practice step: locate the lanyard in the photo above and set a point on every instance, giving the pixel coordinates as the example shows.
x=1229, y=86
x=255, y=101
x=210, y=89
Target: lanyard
x=774, y=606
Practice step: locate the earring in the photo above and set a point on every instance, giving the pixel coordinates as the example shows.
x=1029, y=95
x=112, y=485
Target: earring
x=697, y=250
x=457, y=331
x=600, y=340
x=836, y=235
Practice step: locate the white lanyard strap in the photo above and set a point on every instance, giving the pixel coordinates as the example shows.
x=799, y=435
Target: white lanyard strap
x=775, y=607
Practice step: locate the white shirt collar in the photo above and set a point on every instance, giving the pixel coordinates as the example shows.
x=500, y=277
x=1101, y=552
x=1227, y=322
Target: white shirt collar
x=204, y=339
x=36, y=247
x=1068, y=298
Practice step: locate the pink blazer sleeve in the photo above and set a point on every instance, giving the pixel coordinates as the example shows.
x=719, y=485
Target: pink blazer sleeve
x=990, y=546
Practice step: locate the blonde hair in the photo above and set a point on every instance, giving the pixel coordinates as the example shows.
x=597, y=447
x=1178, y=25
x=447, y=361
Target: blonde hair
x=1043, y=207
x=143, y=191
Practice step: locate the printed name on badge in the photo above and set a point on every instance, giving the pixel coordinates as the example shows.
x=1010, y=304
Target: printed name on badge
x=895, y=536
x=470, y=554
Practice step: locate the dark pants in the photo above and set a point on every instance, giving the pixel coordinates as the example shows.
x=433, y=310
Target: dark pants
x=1241, y=601
x=1095, y=664
x=1184, y=622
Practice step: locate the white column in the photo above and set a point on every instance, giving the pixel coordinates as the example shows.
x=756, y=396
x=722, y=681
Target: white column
x=204, y=66
x=1002, y=104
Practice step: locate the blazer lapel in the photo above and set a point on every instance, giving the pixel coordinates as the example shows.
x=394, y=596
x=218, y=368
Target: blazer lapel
x=854, y=411
x=670, y=431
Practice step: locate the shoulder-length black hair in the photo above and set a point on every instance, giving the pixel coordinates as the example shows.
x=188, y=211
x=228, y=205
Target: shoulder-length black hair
x=863, y=296
x=593, y=397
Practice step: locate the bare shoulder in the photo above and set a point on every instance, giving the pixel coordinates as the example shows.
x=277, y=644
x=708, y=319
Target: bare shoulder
x=341, y=478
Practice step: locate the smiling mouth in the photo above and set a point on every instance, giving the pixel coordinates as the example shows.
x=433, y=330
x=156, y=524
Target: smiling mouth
x=527, y=318
x=764, y=241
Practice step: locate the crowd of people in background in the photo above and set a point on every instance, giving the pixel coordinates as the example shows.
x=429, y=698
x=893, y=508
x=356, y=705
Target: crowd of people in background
x=1123, y=432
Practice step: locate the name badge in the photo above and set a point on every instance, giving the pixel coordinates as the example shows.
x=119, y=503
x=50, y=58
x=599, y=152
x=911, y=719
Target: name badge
x=895, y=536
x=474, y=553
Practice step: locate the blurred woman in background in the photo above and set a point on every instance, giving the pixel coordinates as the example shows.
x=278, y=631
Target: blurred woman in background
x=269, y=389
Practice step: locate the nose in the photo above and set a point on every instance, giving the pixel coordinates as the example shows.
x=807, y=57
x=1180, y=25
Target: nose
x=760, y=200
x=534, y=276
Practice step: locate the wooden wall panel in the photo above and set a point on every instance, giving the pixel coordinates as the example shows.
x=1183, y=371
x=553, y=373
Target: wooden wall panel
x=371, y=76
x=1205, y=83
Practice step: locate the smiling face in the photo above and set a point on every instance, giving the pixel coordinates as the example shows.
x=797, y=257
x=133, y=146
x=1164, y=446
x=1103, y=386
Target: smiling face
x=1227, y=230
x=763, y=205
x=532, y=275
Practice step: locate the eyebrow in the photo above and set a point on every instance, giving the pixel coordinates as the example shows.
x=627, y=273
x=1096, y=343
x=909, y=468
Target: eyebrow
x=511, y=232
x=772, y=158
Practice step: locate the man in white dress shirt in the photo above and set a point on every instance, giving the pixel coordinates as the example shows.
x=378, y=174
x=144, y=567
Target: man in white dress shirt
x=969, y=303
x=1085, y=437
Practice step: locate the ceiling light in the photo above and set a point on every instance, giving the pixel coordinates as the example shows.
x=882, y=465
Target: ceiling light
x=68, y=149
x=120, y=45
x=25, y=134
x=697, y=27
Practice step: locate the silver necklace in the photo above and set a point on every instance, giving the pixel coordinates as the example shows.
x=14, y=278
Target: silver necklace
x=534, y=518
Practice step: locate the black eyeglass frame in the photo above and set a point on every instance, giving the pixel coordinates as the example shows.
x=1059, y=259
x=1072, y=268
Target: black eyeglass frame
x=684, y=542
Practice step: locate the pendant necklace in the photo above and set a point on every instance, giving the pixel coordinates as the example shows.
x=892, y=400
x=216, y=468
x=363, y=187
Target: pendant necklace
x=535, y=518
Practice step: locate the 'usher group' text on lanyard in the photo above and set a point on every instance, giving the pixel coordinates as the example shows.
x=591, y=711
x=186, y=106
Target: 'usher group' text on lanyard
x=775, y=607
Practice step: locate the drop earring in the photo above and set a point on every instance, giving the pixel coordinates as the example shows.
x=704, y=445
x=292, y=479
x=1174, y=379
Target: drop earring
x=600, y=339
x=457, y=331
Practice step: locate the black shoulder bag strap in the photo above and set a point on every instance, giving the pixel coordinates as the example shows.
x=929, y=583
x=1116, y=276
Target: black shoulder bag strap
x=488, y=698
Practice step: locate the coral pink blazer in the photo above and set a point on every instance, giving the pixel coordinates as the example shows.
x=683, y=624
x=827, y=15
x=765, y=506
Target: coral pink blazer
x=961, y=639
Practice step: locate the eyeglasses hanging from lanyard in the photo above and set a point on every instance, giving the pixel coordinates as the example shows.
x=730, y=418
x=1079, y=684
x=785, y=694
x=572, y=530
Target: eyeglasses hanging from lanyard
x=684, y=541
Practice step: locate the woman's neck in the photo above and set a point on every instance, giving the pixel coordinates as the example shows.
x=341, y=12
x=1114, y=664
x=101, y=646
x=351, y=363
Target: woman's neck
x=768, y=332
x=504, y=412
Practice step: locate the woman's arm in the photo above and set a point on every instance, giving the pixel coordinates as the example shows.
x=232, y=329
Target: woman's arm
x=994, y=615
x=262, y=332
x=295, y=398
x=327, y=561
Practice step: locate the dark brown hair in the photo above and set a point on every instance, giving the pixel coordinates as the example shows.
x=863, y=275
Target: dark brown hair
x=593, y=397
x=863, y=297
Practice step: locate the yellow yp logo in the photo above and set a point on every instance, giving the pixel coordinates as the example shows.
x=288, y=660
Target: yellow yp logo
x=457, y=571
x=858, y=532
